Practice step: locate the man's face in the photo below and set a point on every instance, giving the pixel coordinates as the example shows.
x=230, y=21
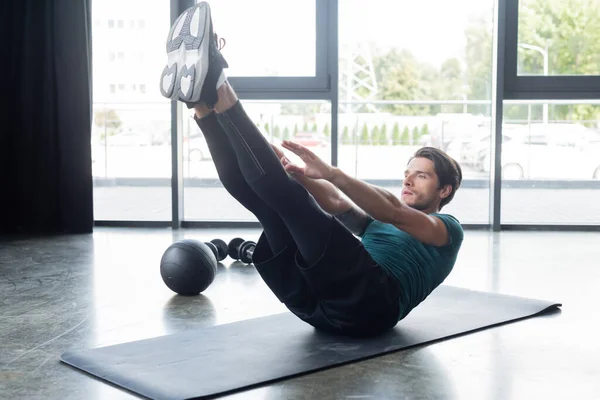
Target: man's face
x=420, y=189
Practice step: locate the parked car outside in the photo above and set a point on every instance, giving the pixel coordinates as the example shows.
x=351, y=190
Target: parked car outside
x=550, y=152
x=309, y=139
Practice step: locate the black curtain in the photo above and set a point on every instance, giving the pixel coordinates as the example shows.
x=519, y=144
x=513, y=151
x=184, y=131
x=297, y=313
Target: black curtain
x=45, y=153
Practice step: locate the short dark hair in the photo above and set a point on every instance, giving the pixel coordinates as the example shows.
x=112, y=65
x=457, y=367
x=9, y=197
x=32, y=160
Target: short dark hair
x=447, y=169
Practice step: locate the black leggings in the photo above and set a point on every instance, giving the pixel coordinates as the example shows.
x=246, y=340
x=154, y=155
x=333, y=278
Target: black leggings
x=311, y=262
x=252, y=173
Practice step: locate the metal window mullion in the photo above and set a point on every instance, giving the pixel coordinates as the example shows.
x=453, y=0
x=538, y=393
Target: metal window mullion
x=282, y=95
x=278, y=84
x=499, y=76
x=555, y=88
x=510, y=31
x=332, y=43
x=176, y=167
x=176, y=8
x=326, y=39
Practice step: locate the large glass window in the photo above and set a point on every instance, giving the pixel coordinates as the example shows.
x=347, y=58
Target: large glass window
x=551, y=171
x=558, y=37
x=267, y=37
x=205, y=198
x=131, y=121
x=402, y=88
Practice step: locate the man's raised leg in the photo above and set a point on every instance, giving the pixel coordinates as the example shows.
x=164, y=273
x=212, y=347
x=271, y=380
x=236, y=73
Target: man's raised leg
x=230, y=175
x=191, y=38
x=308, y=224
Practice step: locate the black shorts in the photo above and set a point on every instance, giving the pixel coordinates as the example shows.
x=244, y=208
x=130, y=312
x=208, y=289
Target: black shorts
x=345, y=292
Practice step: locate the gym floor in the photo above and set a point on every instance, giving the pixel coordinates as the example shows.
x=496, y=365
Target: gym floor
x=84, y=291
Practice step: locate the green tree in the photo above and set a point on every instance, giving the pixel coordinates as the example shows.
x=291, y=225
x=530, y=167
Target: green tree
x=451, y=70
x=286, y=133
x=345, y=136
x=405, y=136
x=402, y=77
x=267, y=128
x=415, y=135
x=305, y=127
x=276, y=131
x=295, y=129
x=564, y=27
x=396, y=138
x=375, y=135
x=567, y=29
x=383, y=136
x=451, y=84
x=364, y=136
x=478, y=57
x=314, y=128
x=425, y=130
x=326, y=130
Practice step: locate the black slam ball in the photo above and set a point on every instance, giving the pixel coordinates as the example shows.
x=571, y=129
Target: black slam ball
x=188, y=267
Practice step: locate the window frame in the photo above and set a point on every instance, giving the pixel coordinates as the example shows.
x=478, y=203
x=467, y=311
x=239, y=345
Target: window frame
x=285, y=85
x=506, y=86
x=551, y=87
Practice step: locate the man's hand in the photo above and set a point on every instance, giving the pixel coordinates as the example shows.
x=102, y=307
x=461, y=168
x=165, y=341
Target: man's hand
x=325, y=193
x=284, y=160
x=279, y=154
x=315, y=168
x=292, y=169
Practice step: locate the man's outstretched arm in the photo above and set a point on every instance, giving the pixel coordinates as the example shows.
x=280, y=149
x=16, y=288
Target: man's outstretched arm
x=385, y=207
x=331, y=199
x=355, y=219
x=333, y=202
x=376, y=202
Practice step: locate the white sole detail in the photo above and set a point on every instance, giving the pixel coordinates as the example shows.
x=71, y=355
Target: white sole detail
x=187, y=55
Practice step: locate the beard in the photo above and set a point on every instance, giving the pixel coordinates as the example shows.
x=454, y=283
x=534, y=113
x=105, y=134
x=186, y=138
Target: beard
x=421, y=204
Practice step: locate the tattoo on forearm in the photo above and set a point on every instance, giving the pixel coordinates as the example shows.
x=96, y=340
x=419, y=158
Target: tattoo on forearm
x=355, y=220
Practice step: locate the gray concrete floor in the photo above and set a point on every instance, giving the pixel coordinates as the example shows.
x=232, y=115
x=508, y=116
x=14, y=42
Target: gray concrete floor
x=83, y=291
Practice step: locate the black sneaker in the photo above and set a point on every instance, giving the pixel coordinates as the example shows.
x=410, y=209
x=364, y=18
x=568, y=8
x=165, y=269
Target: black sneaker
x=194, y=61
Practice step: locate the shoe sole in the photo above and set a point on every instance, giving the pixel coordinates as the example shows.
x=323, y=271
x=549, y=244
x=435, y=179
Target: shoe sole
x=187, y=55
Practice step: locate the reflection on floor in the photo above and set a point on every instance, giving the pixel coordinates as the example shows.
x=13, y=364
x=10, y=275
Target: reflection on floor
x=83, y=291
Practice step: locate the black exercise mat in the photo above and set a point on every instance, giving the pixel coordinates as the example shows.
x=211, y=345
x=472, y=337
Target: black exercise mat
x=226, y=358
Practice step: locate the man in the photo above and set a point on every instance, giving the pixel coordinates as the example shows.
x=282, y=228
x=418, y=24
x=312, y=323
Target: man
x=345, y=256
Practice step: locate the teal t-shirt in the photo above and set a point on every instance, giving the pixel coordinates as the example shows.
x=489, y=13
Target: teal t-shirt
x=419, y=268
